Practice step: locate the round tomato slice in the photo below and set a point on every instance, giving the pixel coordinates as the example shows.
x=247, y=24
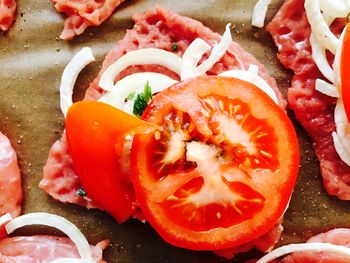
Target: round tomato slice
x=345, y=70
x=221, y=171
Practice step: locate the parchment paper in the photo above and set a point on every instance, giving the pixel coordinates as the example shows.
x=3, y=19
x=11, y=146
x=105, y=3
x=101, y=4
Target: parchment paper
x=32, y=59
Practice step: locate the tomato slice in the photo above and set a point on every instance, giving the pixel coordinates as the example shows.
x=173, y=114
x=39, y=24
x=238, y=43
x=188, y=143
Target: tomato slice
x=345, y=71
x=95, y=134
x=221, y=171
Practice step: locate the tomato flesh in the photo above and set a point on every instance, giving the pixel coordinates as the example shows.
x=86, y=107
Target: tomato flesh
x=95, y=135
x=345, y=71
x=221, y=171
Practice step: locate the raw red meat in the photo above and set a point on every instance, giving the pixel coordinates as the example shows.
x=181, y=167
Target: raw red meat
x=340, y=236
x=84, y=13
x=7, y=13
x=291, y=31
x=36, y=249
x=156, y=28
x=10, y=179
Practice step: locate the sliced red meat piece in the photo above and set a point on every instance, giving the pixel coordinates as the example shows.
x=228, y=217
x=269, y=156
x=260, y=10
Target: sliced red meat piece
x=7, y=13
x=158, y=28
x=36, y=249
x=265, y=243
x=291, y=31
x=84, y=13
x=10, y=179
x=340, y=236
x=60, y=180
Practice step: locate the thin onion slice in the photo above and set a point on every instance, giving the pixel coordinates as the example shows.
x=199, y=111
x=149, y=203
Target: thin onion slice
x=307, y=247
x=335, y=8
x=328, y=19
x=341, y=137
x=140, y=57
x=217, y=53
x=259, y=12
x=341, y=151
x=319, y=56
x=337, y=59
x=5, y=218
x=251, y=76
x=57, y=222
x=135, y=84
x=326, y=88
x=70, y=75
x=319, y=26
x=191, y=58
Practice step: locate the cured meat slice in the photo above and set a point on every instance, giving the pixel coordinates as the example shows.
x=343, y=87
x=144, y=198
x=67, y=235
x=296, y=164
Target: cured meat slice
x=36, y=249
x=157, y=28
x=7, y=13
x=340, y=236
x=10, y=179
x=82, y=14
x=291, y=31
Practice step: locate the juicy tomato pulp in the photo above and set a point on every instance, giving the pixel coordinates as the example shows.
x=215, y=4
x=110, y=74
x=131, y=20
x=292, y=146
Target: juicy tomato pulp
x=345, y=70
x=221, y=171
x=95, y=134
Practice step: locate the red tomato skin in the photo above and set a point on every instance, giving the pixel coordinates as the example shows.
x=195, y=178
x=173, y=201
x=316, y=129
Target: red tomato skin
x=214, y=239
x=345, y=71
x=95, y=134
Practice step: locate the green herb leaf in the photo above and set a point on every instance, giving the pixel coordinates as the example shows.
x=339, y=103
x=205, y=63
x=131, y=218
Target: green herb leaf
x=174, y=47
x=81, y=192
x=131, y=96
x=142, y=100
x=147, y=92
x=140, y=105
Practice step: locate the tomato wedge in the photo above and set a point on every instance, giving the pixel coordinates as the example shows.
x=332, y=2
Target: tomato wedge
x=95, y=134
x=221, y=171
x=345, y=71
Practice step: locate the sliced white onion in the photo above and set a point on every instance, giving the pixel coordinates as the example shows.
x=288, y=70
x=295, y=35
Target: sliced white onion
x=342, y=137
x=218, y=51
x=326, y=88
x=307, y=247
x=135, y=83
x=337, y=59
x=335, y=8
x=252, y=77
x=328, y=19
x=70, y=75
x=140, y=57
x=191, y=58
x=259, y=12
x=319, y=26
x=57, y=222
x=319, y=56
x=341, y=151
x=253, y=69
x=5, y=218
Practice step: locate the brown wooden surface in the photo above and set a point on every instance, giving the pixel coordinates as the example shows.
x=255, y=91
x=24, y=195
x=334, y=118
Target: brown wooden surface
x=32, y=59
